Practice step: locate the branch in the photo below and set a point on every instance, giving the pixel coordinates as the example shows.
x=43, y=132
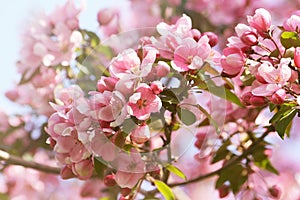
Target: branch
x=227, y=165
x=14, y=160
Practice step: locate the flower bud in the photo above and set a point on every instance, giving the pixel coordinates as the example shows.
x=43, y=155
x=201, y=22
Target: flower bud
x=213, y=38
x=261, y=21
x=162, y=69
x=156, y=87
x=66, y=172
x=257, y=101
x=275, y=191
x=109, y=180
x=249, y=38
x=200, y=139
x=196, y=34
x=125, y=191
x=246, y=98
x=223, y=191
x=83, y=169
x=294, y=76
x=140, y=134
x=105, y=16
x=13, y=95
x=297, y=57
x=278, y=97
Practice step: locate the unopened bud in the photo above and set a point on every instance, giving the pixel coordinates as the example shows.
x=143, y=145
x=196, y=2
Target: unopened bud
x=275, y=191
x=278, y=97
x=109, y=180
x=213, y=38
x=249, y=38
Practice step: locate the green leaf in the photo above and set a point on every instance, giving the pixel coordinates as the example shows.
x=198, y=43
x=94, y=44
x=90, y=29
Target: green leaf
x=266, y=165
x=223, y=92
x=99, y=167
x=261, y=159
x=289, y=39
x=164, y=189
x=222, y=152
x=282, y=124
x=4, y=196
x=176, y=171
x=235, y=175
x=186, y=116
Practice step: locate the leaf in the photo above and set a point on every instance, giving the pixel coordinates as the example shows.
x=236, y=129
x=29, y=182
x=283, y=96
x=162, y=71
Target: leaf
x=223, y=92
x=186, y=116
x=99, y=167
x=266, y=165
x=235, y=175
x=164, y=189
x=289, y=39
x=282, y=124
x=222, y=152
x=261, y=159
x=176, y=171
x=211, y=120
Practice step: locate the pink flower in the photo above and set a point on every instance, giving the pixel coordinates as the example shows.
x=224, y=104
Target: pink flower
x=292, y=23
x=157, y=87
x=232, y=61
x=182, y=27
x=128, y=64
x=190, y=54
x=275, y=78
x=108, y=106
x=278, y=97
x=297, y=57
x=162, y=69
x=106, y=83
x=143, y=102
x=261, y=20
x=140, y=134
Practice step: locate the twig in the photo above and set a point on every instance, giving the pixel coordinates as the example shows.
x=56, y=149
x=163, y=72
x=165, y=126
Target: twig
x=15, y=160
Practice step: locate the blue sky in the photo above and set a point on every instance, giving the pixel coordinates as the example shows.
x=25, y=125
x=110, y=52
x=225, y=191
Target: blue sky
x=13, y=14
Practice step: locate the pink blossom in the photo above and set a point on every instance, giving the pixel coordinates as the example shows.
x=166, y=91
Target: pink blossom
x=292, y=23
x=156, y=87
x=232, y=61
x=275, y=78
x=143, y=102
x=140, y=134
x=128, y=64
x=106, y=15
x=106, y=83
x=190, y=54
x=108, y=106
x=261, y=20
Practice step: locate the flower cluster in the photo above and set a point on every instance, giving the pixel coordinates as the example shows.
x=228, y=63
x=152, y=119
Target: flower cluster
x=261, y=56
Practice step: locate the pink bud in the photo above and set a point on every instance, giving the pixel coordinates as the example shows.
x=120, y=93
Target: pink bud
x=278, y=97
x=105, y=16
x=213, y=38
x=109, y=180
x=106, y=83
x=232, y=61
x=275, y=191
x=67, y=172
x=297, y=57
x=13, y=95
x=140, y=134
x=162, y=69
x=196, y=34
x=223, y=191
x=200, y=139
x=249, y=38
x=83, y=169
x=125, y=191
x=261, y=20
x=246, y=98
x=157, y=87
x=294, y=76
x=257, y=101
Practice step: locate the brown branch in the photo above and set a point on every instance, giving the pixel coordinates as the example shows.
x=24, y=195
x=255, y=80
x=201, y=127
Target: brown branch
x=15, y=160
